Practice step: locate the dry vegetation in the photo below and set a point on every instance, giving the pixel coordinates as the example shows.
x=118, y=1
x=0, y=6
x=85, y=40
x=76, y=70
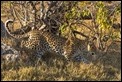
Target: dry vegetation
x=106, y=68
x=54, y=68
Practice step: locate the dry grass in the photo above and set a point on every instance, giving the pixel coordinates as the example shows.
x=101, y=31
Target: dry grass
x=54, y=68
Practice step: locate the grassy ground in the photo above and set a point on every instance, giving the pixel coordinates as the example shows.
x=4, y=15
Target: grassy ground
x=54, y=68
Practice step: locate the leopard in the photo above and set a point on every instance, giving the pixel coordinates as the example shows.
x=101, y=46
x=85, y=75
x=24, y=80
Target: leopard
x=69, y=48
x=42, y=40
x=31, y=42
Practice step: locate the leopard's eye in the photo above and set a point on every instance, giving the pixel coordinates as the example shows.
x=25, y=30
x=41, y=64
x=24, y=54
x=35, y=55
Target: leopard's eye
x=92, y=53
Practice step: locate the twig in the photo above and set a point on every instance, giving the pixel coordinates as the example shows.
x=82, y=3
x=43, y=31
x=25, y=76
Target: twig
x=80, y=33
